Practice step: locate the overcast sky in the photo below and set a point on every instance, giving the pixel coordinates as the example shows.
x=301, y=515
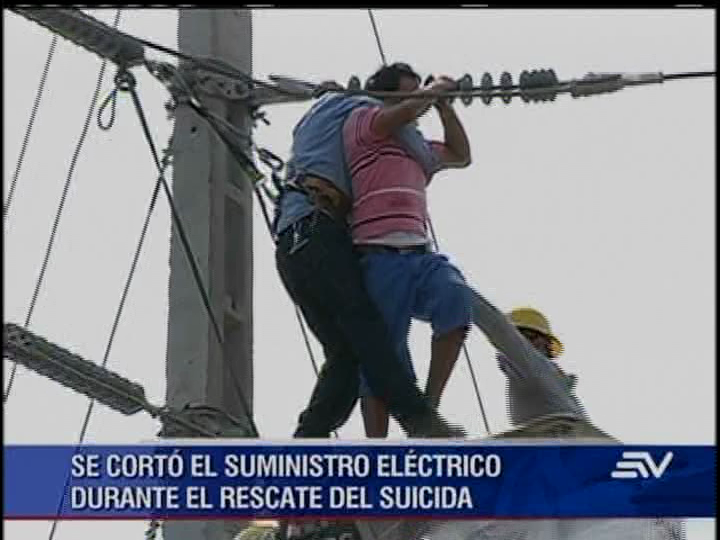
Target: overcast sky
x=598, y=211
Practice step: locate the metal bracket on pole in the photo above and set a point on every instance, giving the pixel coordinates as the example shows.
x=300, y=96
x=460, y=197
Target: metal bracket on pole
x=213, y=77
x=273, y=96
x=212, y=419
x=89, y=33
x=200, y=78
x=216, y=85
x=284, y=90
x=601, y=83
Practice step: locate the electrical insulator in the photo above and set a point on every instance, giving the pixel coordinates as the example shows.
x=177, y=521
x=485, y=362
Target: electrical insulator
x=89, y=33
x=541, y=85
x=465, y=84
x=486, y=85
x=538, y=85
x=506, y=86
x=70, y=370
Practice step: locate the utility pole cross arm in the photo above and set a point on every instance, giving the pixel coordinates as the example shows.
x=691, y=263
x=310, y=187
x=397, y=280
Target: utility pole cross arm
x=89, y=33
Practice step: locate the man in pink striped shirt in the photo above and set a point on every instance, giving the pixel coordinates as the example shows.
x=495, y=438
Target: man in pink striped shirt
x=391, y=165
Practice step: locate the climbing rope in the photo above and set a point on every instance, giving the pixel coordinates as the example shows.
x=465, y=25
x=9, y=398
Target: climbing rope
x=61, y=206
x=31, y=123
x=112, y=100
x=437, y=248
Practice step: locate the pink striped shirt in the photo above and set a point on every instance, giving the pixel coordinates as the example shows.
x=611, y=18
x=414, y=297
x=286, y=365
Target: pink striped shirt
x=389, y=186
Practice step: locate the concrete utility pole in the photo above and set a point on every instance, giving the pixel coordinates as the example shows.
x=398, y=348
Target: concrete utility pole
x=215, y=202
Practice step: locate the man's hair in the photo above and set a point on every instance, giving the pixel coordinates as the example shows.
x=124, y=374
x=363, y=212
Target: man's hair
x=387, y=78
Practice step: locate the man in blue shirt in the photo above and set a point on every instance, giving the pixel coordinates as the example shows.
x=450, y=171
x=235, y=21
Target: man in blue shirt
x=321, y=272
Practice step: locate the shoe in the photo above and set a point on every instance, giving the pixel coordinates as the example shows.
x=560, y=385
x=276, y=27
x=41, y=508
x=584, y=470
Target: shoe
x=431, y=426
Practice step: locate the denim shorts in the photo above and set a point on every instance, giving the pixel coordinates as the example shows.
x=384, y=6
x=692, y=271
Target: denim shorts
x=422, y=286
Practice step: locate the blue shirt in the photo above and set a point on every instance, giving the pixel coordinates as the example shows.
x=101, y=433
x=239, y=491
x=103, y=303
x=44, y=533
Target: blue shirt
x=412, y=139
x=317, y=150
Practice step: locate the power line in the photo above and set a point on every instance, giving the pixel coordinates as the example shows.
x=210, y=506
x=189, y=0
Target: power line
x=536, y=85
x=377, y=37
x=31, y=123
x=507, y=90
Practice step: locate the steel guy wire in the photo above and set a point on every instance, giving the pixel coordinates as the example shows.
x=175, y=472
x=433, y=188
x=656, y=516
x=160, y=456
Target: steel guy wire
x=116, y=321
x=465, y=351
x=31, y=123
x=189, y=253
x=61, y=206
x=377, y=37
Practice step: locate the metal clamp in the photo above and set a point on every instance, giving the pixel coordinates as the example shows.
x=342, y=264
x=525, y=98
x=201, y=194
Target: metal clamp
x=213, y=84
x=273, y=161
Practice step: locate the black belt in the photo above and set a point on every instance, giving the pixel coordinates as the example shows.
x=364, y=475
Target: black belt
x=365, y=249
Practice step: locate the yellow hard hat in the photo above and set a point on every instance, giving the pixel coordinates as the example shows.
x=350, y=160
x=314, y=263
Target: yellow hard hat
x=532, y=319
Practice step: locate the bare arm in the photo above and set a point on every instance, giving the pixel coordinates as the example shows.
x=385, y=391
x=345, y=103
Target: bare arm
x=456, y=151
x=393, y=117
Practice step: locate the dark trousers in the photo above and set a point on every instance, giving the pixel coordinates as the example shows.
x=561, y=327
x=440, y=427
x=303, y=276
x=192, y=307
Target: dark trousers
x=322, y=274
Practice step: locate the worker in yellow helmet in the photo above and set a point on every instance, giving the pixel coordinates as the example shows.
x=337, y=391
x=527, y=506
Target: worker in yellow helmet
x=539, y=389
x=536, y=328
x=527, y=397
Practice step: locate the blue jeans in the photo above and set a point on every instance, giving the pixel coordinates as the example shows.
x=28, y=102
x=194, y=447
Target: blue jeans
x=422, y=286
x=323, y=276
